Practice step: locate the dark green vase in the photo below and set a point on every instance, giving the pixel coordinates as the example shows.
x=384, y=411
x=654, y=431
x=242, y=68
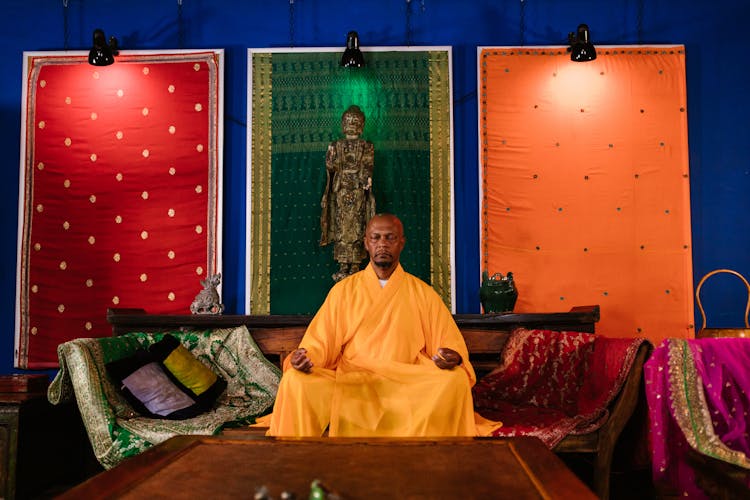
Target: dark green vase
x=498, y=293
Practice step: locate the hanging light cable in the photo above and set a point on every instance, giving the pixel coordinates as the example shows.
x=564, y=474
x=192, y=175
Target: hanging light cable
x=409, y=31
x=408, y=23
x=180, y=26
x=291, y=23
x=639, y=21
x=66, y=27
x=522, y=21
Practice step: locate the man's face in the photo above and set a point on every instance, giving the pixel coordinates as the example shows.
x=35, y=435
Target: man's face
x=384, y=240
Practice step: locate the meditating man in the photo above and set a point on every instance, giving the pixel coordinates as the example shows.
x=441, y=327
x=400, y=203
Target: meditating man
x=382, y=357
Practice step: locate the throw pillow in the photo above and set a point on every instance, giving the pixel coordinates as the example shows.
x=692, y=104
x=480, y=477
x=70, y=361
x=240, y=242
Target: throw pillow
x=187, y=371
x=150, y=390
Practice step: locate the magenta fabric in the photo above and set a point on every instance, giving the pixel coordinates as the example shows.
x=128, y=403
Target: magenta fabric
x=697, y=392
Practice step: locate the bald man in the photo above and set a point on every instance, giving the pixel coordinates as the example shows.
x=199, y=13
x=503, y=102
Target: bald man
x=382, y=357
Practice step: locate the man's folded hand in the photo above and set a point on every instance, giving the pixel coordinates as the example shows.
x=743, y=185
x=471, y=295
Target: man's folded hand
x=300, y=361
x=447, y=358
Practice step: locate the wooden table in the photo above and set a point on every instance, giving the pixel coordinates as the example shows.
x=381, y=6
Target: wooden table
x=230, y=467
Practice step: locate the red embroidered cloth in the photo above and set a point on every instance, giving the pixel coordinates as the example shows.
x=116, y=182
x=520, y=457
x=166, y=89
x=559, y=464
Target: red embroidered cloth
x=550, y=384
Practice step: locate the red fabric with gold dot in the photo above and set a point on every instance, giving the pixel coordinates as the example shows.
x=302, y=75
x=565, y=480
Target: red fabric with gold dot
x=119, y=202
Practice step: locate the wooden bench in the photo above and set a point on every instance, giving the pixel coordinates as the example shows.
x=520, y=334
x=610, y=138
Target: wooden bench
x=278, y=335
x=485, y=336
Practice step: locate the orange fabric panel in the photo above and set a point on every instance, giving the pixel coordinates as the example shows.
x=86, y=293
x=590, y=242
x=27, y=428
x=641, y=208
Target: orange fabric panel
x=585, y=186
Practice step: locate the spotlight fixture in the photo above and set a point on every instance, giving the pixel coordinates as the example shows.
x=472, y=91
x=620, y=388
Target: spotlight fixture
x=103, y=54
x=581, y=49
x=352, y=57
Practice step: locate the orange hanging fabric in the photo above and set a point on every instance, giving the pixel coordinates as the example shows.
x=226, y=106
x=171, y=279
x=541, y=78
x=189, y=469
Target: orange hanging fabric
x=585, y=184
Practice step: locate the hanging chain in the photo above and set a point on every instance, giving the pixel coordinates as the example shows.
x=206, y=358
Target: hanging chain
x=66, y=26
x=408, y=22
x=180, y=26
x=640, y=21
x=522, y=22
x=291, y=23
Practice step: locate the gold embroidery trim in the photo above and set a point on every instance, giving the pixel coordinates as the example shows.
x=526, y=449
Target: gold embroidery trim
x=440, y=178
x=688, y=404
x=260, y=213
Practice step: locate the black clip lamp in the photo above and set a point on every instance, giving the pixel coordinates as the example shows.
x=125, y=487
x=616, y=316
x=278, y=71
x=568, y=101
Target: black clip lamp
x=581, y=49
x=352, y=57
x=103, y=54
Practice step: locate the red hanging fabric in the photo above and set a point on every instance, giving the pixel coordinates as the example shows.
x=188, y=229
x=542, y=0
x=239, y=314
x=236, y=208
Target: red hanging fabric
x=119, y=193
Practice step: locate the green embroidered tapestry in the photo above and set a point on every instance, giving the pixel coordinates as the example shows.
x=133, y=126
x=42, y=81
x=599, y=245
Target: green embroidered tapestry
x=117, y=432
x=295, y=107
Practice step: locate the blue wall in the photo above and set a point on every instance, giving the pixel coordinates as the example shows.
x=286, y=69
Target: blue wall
x=717, y=76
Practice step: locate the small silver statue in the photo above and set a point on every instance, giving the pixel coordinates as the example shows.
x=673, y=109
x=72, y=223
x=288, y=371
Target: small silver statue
x=208, y=301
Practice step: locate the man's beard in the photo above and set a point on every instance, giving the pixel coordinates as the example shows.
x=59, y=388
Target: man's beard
x=383, y=264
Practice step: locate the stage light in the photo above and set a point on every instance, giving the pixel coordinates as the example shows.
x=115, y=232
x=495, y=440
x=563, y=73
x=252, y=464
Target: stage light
x=101, y=53
x=352, y=57
x=581, y=49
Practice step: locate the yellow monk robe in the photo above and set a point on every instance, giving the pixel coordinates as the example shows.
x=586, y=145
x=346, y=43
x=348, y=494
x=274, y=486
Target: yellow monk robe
x=373, y=375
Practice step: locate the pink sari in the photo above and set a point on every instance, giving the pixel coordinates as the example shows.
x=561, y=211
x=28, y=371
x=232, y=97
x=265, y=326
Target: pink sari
x=697, y=392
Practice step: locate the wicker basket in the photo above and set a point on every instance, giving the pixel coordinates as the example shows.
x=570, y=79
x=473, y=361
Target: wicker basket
x=722, y=332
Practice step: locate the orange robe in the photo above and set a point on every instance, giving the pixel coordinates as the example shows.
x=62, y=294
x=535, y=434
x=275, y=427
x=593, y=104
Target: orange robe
x=373, y=375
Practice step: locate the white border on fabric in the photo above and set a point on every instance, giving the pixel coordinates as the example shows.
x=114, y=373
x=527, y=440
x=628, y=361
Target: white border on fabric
x=22, y=161
x=452, y=184
x=219, y=236
x=248, y=175
x=21, y=205
x=248, y=179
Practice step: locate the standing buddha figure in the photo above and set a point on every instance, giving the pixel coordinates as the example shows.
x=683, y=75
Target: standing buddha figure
x=348, y=202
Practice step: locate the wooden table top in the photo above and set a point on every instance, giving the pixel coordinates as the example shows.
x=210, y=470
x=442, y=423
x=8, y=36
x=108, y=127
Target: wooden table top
x=232, y=467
